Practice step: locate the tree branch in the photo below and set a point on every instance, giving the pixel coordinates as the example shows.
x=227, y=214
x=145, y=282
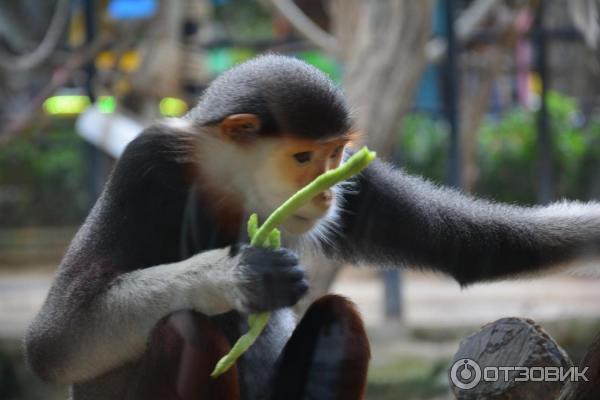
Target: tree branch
x=584, y=14
x=46, y=46
x=466, y=26
x=61, y=76
x=305, y=26
x=468, y=22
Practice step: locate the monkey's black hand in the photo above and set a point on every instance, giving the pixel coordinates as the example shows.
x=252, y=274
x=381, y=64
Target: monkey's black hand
x=270, y=279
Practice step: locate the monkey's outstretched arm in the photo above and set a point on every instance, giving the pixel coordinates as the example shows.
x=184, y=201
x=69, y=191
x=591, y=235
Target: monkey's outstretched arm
x=393, y=218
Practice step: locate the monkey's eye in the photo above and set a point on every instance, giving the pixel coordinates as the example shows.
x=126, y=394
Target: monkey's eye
x=336, y=152
x=303, y=157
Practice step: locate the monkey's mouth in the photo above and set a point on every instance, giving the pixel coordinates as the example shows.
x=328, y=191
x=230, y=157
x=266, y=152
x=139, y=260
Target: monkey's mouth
x=298, y=224
x=301, y=218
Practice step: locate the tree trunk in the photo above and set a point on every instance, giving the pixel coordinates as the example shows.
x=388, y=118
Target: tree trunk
x=476, y=93
x=508, y=342
x=160, y=71
x=384, y=66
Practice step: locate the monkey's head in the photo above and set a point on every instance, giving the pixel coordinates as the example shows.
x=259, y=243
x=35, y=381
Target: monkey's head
x=279, y=123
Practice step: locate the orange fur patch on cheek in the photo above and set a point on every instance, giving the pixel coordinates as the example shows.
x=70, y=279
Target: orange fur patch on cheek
x=298, y=174
x=292, y=173
x=288, y=173
x=277, y=176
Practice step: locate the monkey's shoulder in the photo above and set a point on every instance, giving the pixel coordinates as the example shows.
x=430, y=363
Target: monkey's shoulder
x=158, y=156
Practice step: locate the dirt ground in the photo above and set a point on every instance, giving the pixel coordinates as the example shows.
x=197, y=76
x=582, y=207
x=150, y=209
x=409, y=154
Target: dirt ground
x=410, y=355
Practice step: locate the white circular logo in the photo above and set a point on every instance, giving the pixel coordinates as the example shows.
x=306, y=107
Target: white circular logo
x=465, y=374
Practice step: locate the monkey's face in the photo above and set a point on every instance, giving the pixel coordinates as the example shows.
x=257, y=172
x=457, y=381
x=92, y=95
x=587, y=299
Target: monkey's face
x=272, y=169
x=290, y=165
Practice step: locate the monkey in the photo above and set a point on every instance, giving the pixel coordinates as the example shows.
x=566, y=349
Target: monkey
x=157, y=283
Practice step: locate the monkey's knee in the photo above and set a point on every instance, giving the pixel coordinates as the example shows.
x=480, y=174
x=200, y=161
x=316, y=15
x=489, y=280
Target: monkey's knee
x=336, y=321
x=182, y=352
x=327, y=356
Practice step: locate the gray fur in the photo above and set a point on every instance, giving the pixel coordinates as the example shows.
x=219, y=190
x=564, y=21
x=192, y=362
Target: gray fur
x=394, y=218
x=288, y=95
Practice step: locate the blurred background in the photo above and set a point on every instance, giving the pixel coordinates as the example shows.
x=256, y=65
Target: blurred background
x=499, y=98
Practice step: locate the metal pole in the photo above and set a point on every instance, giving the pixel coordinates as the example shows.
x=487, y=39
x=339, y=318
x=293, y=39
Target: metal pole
x=392, y=279
x=89, y=11
x=96, y=161
x=454, y=175
x=392, y=285
x=544, y=137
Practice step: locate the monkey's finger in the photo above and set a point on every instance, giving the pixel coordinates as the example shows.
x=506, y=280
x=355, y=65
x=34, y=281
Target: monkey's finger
x=295, y=274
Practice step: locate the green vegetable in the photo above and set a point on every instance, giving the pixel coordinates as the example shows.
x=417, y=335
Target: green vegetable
x=269, y=236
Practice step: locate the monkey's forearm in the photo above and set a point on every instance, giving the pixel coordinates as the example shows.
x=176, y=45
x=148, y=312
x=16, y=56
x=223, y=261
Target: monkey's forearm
x=70, y=342
x=397, y=218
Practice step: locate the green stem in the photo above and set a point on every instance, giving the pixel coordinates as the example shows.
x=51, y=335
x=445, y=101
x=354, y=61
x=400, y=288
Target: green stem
x=256, y=324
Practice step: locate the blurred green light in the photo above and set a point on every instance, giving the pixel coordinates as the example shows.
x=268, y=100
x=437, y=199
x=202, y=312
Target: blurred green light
x=66, y=104
x=322, y=61
x=106, y=104
x=221, y=59
x=172, y=107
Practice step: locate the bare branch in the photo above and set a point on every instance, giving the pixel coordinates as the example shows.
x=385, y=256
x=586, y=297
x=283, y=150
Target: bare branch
x=305, y=26
x=24, y=119
x=466, y=26
x=584, y=14
x=46, y=46
x=380, y=89
x=468, y=22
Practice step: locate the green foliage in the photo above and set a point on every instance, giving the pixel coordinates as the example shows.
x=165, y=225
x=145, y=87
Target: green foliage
x=244, y=19
x=507, y=151
x=321, y=61
x=221, y=59
x=423, y=147
x=415, y=378
x=41, y=178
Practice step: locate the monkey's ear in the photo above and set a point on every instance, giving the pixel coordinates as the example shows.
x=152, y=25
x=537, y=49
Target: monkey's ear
x=240, y=127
